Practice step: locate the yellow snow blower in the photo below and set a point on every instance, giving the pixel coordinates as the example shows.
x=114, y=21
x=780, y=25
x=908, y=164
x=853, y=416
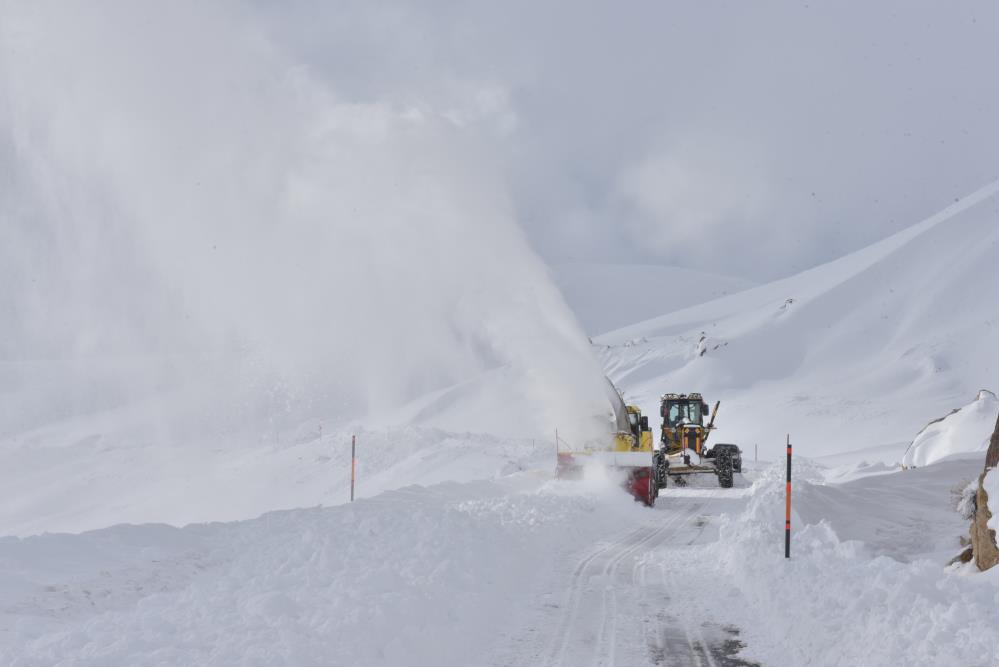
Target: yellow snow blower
x=630, y=449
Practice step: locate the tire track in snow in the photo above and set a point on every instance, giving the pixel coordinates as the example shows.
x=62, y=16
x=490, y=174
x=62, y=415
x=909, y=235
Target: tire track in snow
x=697, y=649
x=557, y=645
x=606, y=641
x=695, y=640
x=676, y=637
x=578, y=586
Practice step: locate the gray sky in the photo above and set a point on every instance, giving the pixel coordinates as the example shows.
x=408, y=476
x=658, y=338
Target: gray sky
x=748, y=138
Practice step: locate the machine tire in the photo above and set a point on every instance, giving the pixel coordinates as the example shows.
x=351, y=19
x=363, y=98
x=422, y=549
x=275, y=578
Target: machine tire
x=662, y=468
x=725, y=470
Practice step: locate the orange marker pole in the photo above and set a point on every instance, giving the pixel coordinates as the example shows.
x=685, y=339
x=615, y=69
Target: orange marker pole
x=353, y=465
x=787, y=513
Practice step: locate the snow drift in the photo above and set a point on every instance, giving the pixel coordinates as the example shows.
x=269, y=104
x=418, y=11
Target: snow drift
x=416, y=576
x=964, y=431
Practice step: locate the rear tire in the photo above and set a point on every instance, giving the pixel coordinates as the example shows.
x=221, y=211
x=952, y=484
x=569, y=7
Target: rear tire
x=725, y=470
x=662, y=469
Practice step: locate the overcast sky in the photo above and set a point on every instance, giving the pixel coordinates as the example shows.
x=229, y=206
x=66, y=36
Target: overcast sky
x=755, y=139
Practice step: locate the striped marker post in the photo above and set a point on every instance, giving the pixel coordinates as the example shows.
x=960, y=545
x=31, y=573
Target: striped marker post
x=353, y=465
x=787, y=512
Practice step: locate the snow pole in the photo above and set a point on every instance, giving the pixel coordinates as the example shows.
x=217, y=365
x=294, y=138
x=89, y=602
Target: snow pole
x=787, y=511
x=353, y=465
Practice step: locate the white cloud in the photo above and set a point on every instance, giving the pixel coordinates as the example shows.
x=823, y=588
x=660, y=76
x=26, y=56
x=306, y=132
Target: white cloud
x=679, y=202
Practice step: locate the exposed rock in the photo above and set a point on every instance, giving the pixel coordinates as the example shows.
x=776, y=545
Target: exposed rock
x=965, y=556
x=983, y=538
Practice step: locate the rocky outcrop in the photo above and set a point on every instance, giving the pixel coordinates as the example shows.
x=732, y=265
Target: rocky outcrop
x=983, y=538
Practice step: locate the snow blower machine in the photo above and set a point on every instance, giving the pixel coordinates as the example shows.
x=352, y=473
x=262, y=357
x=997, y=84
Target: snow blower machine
x=683, y=449
x=630, y=451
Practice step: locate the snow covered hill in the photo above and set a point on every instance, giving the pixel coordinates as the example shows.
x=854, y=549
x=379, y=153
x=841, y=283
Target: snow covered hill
x=605, y=297
x=851, y=355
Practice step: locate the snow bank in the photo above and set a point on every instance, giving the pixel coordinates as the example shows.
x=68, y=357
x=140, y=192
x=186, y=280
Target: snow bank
x=966, y=430
x=835, y=603
x=416, y=576
x=90, y=480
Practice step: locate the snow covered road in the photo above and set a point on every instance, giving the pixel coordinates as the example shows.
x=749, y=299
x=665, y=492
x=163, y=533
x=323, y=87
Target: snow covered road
x=623, y=599
x=600, y=599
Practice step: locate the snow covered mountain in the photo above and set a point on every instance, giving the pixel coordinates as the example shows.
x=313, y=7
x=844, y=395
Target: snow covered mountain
x=852, y=355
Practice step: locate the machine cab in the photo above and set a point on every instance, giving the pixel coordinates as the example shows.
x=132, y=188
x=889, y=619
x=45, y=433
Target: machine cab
x=678, y=409
x=637, y=422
